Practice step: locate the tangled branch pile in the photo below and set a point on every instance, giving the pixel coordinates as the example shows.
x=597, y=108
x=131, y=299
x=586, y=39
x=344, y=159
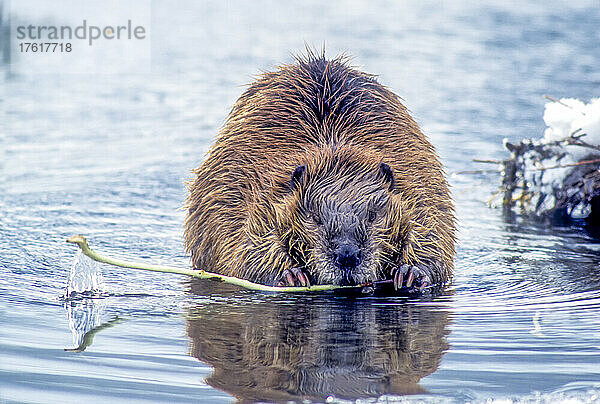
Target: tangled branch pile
x=558, y=175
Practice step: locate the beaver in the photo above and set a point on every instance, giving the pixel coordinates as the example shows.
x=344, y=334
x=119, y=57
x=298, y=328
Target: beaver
x=321, y=176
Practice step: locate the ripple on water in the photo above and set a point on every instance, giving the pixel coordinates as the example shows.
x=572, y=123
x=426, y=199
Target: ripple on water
x=108, y=157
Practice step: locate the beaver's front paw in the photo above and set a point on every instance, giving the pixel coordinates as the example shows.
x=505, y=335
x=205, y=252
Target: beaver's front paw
x=410, y=276
x=293, y=277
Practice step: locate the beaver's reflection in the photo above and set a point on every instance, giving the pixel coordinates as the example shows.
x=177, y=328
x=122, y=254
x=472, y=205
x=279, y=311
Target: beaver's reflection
x=278, y=348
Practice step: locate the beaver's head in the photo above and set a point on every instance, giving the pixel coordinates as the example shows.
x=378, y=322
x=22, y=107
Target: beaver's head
x=337, y=220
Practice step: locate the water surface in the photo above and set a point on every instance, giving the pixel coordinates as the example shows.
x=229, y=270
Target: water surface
x=107, y=156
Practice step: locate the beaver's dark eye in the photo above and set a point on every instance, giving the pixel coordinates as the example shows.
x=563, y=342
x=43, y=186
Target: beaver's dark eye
x=372, y=216
x=317, y=219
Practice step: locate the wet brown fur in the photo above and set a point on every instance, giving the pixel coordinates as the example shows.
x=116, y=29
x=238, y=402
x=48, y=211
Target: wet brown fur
x=243, y=218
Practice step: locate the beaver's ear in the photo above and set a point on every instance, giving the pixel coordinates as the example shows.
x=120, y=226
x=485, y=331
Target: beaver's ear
x=386, y=173
x=297, y=177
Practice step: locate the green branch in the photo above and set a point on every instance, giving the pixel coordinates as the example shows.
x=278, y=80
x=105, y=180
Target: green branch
x=201, y=274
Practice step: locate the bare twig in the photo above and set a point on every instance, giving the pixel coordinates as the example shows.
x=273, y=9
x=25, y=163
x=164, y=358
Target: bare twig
x=488, y=161
x=575, y=141
x=561, y=103
x=579, y=163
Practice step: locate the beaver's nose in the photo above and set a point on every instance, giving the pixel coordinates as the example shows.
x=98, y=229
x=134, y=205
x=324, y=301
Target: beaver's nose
x=347, y=256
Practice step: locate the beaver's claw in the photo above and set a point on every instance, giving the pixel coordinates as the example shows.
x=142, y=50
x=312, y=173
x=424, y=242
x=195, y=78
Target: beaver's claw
x=293, y=277
x=410, y=276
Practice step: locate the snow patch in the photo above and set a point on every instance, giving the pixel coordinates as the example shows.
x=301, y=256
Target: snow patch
x=545, y=167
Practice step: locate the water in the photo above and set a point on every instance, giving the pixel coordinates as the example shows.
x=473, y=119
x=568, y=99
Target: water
x=85, y=277
x=106, y=156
